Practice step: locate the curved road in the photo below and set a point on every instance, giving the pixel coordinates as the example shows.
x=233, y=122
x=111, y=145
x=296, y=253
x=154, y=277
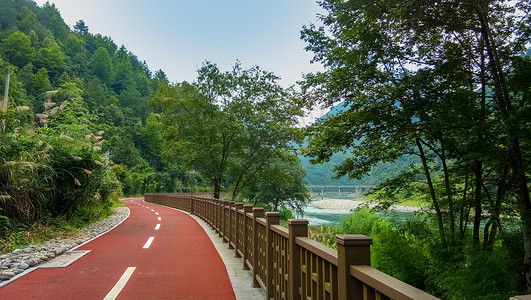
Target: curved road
x=157, y=253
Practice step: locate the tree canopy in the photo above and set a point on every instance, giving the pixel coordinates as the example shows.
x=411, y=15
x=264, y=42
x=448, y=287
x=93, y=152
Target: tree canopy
x=435, y=80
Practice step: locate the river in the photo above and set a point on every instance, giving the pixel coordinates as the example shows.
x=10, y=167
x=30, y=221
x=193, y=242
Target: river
x=331, y=211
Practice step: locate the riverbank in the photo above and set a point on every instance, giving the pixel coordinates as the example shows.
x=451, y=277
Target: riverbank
x=343, y=204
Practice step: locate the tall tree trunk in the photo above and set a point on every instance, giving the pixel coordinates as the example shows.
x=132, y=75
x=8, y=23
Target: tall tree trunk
x=513, y=141
x=448, y=187
x=432, y=192
x=478, y=171
x=217, y=188
x=462, y=216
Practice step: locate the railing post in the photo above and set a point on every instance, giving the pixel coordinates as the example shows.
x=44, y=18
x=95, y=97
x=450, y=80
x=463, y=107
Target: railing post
x=352, y=249
x=297, y=228
x=225, y=208
x=231, y=205
x=221, y=220
x=246, y=209
x=272, y=218
x=238, y=206
x=191, y=205
x=258, y=212
x=212, y=213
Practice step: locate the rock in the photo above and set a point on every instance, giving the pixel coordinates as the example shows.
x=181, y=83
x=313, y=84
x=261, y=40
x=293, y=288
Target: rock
x=6, y=275
x=31, y=262
x=59, y=250
x=22, y=266
x=30, y=256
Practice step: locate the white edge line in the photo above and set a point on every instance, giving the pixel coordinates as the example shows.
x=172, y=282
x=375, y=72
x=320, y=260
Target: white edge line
x=27, y=271
x=120, y=284
x=148, y=243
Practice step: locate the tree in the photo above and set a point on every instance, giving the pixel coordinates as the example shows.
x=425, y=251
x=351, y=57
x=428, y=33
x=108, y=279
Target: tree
x=17, y=49
x=81, y=28
x=280, y=184
x=160, y=75
x=429, y=79
x=196, y=132
x=101, y=65
x=51, y=57
x=228, y=125
x=42, y=81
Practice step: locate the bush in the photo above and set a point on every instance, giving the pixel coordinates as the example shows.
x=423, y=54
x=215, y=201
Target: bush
x=482, y=275
x=363, y=221
x=286, y=214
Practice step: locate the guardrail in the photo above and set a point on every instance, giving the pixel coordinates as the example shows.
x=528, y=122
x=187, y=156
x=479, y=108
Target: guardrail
x=284, y=262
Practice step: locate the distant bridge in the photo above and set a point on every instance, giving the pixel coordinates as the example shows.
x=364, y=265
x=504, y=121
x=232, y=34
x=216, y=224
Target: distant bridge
x=340, y=189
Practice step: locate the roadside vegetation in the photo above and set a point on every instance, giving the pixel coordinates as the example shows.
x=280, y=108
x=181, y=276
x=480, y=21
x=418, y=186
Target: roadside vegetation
x=412, y=253
x=435, y=112
x=87, y=122
x=446, y=83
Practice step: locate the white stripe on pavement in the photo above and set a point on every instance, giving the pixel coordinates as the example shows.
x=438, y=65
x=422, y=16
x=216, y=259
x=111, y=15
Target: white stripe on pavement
x=120, y=284
x=148, y=243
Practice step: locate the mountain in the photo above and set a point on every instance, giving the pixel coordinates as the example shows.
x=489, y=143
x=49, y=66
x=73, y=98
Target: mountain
x=323, y=174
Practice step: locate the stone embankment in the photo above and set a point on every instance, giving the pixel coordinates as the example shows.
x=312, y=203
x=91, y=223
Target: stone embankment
x=355, y=204
x=20, y=260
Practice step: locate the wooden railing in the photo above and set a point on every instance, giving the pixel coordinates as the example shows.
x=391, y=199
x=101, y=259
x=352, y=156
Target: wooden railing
x=284, y=262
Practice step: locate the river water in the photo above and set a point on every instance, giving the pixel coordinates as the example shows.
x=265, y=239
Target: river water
x=334, y=216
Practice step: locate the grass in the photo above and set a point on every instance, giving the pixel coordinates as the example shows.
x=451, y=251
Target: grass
x=412, y=200
x=20, y=235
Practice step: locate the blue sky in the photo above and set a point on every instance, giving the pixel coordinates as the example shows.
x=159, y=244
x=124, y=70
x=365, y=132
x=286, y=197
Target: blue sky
x=177, y=36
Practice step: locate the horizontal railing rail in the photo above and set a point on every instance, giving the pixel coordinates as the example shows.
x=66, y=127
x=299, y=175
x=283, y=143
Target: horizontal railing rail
x=287, y=264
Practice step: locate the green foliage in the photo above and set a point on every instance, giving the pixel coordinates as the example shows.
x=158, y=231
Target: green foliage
x=411, y=253
x=483, y=275
x=417, y=79
x=231, y=126
x=286, y=214
x=101, y=64
x=17, y=49
x=280, y=184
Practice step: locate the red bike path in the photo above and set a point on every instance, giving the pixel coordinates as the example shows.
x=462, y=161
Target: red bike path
x=180, y=263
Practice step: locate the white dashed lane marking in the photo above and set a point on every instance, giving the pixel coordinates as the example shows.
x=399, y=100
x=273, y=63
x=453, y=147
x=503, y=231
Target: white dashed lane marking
x=157, y=213
x=157, y=227
x=159, y=219
x=149, y=241
x=120, y=284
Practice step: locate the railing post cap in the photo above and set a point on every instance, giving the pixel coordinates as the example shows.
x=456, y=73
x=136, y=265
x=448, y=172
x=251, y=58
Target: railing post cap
x=297, y=222
x=353, y=240
x=272, y=214
x=247, y=206
x=258, y=209
x=239, y=204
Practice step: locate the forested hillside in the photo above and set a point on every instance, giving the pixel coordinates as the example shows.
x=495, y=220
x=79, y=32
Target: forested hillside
x=77, y=125
x=323, y=173
x=87, y=121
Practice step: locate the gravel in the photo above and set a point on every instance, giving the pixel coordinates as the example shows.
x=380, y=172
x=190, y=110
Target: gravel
x=30, y=256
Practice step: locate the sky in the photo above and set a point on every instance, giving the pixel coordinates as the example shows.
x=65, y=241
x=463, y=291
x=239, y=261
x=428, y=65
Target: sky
x=177, y=36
